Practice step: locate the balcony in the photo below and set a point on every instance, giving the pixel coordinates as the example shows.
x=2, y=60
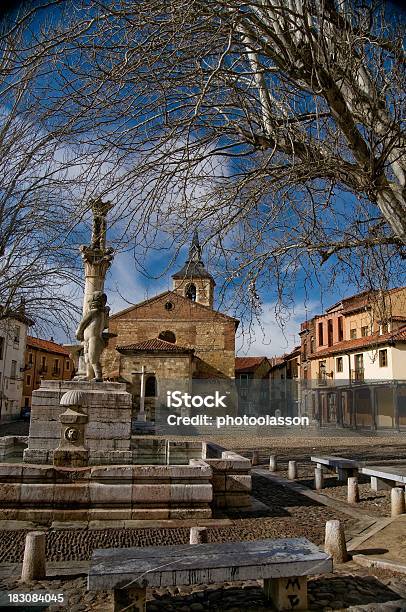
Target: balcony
x=357, y=375
x=322, y=379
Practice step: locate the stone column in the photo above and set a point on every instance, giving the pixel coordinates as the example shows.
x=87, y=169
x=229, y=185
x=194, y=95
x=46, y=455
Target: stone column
x=397, y=501
x=318, y=478
x=34, y=557
x=352, y=490
x=273, y=465
x=255, y=457
x=198, y=535
x=334, y=543
x=292, y=470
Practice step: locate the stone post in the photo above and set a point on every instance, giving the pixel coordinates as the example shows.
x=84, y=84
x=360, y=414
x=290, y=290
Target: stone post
x=198, y=535
x=318, y=478
x=334, y=543
x=397, y=498
x=273, y=465
x=34, y=557
x=292, y=470
x=255, y=457
x=352, y=490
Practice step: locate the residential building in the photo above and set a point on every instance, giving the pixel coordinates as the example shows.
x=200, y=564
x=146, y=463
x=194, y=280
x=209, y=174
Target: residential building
x=284, y=383
x=353, y=360
x=13, y=333
x=252, y=380
x=44, y=359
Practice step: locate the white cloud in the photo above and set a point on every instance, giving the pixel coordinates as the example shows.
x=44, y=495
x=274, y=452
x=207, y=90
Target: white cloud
x=272, y=336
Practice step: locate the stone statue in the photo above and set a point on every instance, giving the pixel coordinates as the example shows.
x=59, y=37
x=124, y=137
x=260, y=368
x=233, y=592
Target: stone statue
x=90, y=333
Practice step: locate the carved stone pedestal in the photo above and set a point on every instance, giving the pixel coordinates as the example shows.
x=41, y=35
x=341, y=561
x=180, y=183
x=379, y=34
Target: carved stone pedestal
x=106, y=407
x=287, y=593
x=130, y=600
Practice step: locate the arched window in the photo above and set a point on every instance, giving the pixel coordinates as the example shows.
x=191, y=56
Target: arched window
x=191, y=292
x=168, y=336
x=150, y=387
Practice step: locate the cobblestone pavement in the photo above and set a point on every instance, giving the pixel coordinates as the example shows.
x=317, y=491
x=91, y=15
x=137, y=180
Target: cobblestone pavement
x=375, y=503
x=340, y=590
x=289, y=514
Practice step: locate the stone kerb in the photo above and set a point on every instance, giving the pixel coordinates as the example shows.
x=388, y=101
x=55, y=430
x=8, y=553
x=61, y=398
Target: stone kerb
x=48, y=493
x=7, y=447
x=231, y=478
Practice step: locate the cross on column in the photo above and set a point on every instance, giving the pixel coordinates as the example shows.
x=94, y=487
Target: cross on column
x=141, y=416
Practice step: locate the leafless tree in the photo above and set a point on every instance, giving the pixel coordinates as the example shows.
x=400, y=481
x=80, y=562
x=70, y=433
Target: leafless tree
x=41, y=203
x=273, y=125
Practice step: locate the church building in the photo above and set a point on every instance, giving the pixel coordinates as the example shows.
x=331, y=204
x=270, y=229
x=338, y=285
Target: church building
x=176, y=335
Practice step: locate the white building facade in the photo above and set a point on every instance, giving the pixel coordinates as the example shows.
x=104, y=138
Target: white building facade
x=13, y=337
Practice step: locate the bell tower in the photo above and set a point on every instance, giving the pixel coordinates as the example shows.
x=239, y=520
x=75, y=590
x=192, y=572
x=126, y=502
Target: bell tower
x=193, y=281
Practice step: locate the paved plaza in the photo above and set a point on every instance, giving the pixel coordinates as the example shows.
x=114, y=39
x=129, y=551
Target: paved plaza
x=280, y=509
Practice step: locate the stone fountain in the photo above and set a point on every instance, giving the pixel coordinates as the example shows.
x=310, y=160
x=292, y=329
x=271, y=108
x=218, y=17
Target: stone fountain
x=83, y=464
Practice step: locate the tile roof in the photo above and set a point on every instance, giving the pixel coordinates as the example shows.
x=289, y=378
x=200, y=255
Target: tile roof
x=276, y=361
x=360, y=300
x=154, y=345
x=398, y=335
x=47, y=345
x=247, y=364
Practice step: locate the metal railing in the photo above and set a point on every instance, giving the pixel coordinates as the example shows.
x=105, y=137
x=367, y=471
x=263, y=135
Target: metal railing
x=357, y=375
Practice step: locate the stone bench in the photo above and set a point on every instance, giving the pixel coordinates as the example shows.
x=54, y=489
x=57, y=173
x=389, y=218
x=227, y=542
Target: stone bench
x=344, y=467
x=385, y=477
x=283, y=564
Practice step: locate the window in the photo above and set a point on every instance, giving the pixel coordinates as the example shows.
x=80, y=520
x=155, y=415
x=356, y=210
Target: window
x=169, y=306
x=28, y=380
x=67, y=365
x=56, y=366
x=340, y=329
x=353, y=333
x=244, y=380
x=312, y=344
x=191, y=292
x=384, y=328
x=168, y=336
x=30, y=361
x=321, y=334
x=364, y=331
x=383, y=358
x=322, y=371
x=17, y=335
x=150, y=387
x=1, y=347
x=339, y=364
x=359, y=361
x=13, y=371
x=330, y=332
